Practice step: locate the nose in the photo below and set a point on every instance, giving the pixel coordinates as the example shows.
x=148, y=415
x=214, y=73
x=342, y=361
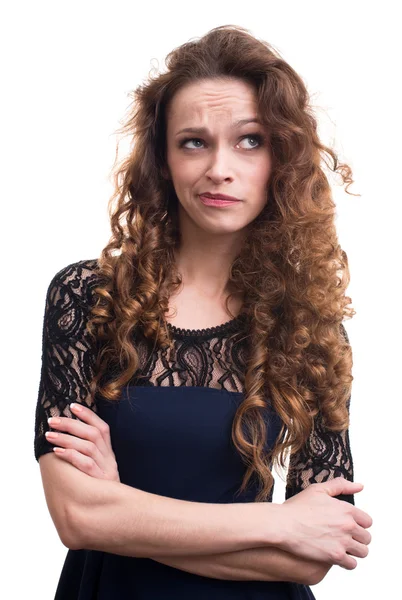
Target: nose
x=219, y=167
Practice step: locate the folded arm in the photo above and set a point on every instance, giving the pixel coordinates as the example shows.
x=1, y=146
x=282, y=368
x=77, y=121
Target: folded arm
x=258, y=564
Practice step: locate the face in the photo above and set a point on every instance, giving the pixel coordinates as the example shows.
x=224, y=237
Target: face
x=217, y=154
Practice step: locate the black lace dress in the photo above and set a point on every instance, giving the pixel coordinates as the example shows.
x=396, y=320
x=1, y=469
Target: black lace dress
x=175, y=418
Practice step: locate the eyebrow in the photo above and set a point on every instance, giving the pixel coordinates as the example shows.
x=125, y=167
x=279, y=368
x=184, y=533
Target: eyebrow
x=203, y=130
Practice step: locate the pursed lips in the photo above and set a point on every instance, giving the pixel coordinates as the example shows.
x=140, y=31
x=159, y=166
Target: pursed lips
x=223, y=197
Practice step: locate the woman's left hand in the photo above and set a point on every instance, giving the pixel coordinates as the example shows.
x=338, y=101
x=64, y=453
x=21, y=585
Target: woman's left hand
x=88, y=447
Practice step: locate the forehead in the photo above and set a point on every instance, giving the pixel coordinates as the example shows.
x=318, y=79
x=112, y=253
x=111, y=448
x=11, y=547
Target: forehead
x=207, y=100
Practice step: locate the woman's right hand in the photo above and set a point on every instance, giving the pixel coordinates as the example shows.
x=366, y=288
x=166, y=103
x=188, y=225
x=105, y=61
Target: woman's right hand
x=318, y=527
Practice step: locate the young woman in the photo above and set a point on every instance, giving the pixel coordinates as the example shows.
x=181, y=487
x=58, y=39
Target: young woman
x=202, y=345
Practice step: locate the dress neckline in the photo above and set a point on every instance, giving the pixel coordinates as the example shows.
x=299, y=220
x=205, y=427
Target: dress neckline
x=217, y=330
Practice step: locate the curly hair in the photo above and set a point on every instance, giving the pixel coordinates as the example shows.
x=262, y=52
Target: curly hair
x=290, y=270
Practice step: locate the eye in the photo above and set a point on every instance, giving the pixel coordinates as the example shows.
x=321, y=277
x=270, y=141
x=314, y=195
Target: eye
x=183, y=142
x=254, y=136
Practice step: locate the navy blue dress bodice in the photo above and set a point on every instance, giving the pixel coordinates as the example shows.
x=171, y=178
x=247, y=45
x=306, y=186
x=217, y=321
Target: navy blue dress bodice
x=175, y=442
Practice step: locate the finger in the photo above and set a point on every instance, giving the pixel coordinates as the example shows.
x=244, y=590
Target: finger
x=83, y=446
x=81, y=462
x=361, y=535
x=347, y=562
x=357, y=549
x=82, y=430
x=362, y=518
x=89, y=416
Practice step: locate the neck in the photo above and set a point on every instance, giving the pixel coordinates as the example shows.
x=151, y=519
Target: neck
x=204, y=260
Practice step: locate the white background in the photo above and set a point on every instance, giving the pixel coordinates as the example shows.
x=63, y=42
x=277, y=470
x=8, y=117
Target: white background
x=67, y=68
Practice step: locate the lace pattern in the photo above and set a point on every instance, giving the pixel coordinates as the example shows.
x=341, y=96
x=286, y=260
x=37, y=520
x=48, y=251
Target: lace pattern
x=325, y=456
x=67, y=350
x=213, y=357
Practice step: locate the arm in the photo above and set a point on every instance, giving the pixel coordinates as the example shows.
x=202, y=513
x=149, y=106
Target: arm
x=62, y=480
x=255, y=564
x=113, y=517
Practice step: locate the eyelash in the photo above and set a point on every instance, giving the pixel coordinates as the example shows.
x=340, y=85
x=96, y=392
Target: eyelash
x=255, y=136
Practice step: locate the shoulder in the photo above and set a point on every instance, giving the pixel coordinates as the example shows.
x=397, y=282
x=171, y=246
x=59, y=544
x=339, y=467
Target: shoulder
x=77, y=280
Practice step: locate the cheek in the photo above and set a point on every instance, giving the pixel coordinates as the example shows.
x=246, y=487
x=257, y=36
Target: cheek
x=187, y=174
x=261, y=174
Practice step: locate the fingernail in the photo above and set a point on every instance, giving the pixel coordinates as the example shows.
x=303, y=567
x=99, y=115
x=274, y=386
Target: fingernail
x=59, y=449
x=75, y=407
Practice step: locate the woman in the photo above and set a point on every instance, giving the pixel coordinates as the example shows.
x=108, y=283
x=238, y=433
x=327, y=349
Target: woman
x=204, y=343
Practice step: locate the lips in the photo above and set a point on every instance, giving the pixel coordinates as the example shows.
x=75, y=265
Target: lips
x=220, y=197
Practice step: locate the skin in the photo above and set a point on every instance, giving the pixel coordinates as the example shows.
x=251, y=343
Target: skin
x=218, y=161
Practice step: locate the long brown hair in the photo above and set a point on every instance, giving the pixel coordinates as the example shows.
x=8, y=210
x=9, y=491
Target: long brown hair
x=291, y=269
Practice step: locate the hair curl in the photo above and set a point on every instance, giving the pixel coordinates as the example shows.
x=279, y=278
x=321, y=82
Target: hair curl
x=291, y=269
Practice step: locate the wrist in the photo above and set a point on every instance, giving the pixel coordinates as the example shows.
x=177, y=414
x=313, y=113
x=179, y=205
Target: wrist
x=277, y=530
x=263, y=523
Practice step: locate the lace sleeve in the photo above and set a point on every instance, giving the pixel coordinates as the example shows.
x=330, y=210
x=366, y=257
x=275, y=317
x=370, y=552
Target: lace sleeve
x=326, y=455
x=67, y=350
